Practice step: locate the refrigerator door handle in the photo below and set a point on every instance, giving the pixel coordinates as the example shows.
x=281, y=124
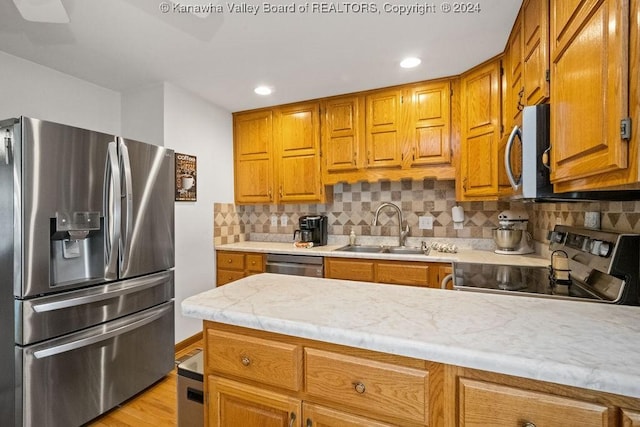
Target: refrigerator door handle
x=135, y=285
x=125, y=247
x=515, y=183
x=112, y=211
x=85, y=342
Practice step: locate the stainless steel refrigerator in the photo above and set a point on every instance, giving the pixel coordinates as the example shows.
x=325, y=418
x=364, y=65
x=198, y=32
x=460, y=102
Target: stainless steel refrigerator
x=86, y=271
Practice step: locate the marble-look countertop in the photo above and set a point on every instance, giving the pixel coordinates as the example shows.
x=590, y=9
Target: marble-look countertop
x=463, y=254
x=583, y=344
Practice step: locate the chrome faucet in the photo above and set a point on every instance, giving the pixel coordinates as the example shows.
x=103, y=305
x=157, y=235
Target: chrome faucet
x=402, y=235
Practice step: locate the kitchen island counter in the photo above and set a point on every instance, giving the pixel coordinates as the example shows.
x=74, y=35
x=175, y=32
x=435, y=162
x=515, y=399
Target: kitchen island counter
x=588, y=345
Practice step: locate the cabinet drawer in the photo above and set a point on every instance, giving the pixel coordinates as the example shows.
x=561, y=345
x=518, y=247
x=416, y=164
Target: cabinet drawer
x=255, y=263
x=348, y=269
x=230, y=261
x=511, y=406
x=378, y=387
x=228, y=276
x=257, y=359
x=403, y=274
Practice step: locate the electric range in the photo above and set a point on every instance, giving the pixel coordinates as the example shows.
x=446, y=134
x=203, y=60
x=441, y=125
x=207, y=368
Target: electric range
x=588, y=265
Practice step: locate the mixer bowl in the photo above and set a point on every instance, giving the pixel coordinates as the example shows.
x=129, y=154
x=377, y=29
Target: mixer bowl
x=507, y=239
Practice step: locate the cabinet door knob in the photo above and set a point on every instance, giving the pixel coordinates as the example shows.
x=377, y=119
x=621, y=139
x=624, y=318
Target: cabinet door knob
x=292, y=419
x=359, y=387
x=309, y=422
x=229, y=261
x=528, y=424
x=245, y=361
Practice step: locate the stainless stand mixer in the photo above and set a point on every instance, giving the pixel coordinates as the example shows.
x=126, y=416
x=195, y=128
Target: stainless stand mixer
x=512, y=237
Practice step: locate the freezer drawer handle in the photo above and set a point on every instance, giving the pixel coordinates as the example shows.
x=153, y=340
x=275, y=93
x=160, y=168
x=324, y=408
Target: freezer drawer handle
x=136, y=286
x=85, y=342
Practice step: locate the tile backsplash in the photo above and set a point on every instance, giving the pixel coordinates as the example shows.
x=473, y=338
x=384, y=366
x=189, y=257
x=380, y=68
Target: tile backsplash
x=354, y=205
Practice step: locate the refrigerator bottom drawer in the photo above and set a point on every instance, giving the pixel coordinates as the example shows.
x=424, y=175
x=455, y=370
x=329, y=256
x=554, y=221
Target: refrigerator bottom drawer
x=73, y=379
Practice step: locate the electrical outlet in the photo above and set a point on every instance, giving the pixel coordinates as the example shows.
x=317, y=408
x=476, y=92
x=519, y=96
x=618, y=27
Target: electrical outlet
x=274, y=220
x=425, y=222
x=458, y=225
x=284, y=219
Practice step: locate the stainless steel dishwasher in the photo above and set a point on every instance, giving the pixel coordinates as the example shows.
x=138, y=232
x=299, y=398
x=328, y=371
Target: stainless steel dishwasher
x=297, y=265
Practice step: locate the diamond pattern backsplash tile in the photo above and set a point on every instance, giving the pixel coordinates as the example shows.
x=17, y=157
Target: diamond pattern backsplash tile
x=354, y=205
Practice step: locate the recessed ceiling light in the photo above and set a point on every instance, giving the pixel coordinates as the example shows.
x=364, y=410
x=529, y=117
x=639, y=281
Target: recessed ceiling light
x=410, y=62
x=263, y=90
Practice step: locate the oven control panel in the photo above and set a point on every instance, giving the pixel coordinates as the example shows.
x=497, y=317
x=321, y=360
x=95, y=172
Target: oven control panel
x=592, y=248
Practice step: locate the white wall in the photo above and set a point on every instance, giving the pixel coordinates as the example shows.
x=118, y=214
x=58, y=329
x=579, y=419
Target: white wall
x=193, y=126
x=30, y=89
x=143, y=114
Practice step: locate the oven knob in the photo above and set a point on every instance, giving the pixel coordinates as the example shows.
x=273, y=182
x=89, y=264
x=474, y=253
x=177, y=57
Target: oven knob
x=605, y=249
x=594, y=247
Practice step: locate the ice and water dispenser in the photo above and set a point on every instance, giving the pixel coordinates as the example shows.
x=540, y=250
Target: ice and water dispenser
x=77, y=248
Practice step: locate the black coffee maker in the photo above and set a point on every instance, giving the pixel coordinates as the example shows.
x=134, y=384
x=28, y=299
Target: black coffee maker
x=313, y=228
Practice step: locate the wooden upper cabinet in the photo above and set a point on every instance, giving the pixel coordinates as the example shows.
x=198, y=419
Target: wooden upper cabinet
x=429, y=132
x=535, y=35
x=590, y=93
x=298, y=153
x=480, y=107
x=341, y=134
x=383, y=138
x=253, y=152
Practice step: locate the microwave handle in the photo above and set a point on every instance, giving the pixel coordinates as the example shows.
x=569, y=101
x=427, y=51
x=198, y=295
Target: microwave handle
x=507, y=157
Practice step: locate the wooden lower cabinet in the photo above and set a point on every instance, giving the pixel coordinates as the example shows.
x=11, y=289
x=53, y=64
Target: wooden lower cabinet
x=336, y=386
x=630, y=418
x=322, y=416
x=484, y=403
x=234, y=404
x=413, y=273
x=232, y=265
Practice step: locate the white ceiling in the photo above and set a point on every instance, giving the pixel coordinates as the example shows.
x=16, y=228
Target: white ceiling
x=127, y=44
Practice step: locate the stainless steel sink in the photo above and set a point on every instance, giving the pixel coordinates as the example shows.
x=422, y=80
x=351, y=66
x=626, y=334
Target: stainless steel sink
x=360, y=248
x=406, y=250
x=399, y=250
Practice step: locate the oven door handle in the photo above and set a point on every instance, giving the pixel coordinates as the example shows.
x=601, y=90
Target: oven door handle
x=445, y=281
x=135, y=285
x=85, y=342
x=515, y=183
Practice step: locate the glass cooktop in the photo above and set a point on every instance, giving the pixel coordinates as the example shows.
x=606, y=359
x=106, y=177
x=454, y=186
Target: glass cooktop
x=531, y=281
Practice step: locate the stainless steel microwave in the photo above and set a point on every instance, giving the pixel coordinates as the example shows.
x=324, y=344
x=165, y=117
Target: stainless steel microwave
x=534, y=181
x=533, y=160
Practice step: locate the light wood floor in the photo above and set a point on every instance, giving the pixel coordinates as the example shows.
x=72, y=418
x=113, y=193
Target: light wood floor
x=154, y=407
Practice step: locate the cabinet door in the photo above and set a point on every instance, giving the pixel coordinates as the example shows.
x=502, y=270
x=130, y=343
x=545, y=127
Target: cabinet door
x=253, y=153
x=480, y=131
x=630, y=418
x=429, y=133
x=321, y=416
x=483, y=403
x=384, y=137
x=233, y=404
x=298, y=142
x=535, y=32
x=341, y=134
x=589, y=91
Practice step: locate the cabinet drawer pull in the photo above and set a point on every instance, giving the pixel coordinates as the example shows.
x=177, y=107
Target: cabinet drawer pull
x=528, y=424
x=229, y=261
x=309, y=422
x=292, y=419
x=245, y=361
x=359, y=387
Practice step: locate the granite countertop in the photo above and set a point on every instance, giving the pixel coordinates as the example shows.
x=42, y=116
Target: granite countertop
x=463, y=254
x=588, y=345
